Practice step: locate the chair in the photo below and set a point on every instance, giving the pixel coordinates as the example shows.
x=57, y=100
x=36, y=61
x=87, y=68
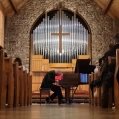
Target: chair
x=44, y=91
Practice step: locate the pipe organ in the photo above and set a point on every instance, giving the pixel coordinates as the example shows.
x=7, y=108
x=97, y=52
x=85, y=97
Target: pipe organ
x=60, y=36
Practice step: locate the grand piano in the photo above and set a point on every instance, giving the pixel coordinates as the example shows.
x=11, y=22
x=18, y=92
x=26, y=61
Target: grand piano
x=73, y=79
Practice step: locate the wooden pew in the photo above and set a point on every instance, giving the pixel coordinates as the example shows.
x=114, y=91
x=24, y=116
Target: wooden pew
x=10, y=81
x=16, y=84
x=30, y=89
x=116, y=85
x=20, y=86
x=2, y=81
x=25, y=87
x=21, y=91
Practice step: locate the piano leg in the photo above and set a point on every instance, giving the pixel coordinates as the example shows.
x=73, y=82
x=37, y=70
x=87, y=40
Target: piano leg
x=67, y=95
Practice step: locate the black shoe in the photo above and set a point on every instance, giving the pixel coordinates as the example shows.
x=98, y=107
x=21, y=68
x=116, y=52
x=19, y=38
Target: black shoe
x=47, y=100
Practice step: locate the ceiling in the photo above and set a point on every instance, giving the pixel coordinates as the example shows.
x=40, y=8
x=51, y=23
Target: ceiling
x=11, y=7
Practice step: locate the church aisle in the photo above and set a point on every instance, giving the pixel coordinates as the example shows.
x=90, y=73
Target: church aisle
x=64, y=111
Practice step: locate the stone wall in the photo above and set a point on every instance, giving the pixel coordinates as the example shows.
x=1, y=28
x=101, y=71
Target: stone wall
x=17, y=38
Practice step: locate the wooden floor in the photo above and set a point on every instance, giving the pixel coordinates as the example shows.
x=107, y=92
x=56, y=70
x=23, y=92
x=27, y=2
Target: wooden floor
x=55, y=111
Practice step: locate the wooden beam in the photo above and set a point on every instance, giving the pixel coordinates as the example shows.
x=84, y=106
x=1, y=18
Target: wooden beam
x=1, y=6
x=108, y=6
x=13, y=6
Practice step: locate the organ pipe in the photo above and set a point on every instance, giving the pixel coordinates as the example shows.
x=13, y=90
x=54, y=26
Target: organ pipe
x=73, y=34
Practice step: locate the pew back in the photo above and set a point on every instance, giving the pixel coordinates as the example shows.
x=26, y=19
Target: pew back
x=15, y=84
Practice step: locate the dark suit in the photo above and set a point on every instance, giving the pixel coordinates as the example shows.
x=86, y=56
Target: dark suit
x=108, y=75
x=48, y=81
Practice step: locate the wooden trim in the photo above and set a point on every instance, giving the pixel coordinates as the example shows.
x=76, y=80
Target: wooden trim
x=60, y=65
x=30, y=52
x=108, y=6
x=1, y=6
x=13, y=6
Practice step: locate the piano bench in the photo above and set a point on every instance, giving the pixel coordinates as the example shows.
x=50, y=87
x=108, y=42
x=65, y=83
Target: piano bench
x=44, y=91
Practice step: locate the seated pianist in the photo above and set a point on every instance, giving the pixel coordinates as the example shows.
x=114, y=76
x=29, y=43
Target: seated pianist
x=50, y=81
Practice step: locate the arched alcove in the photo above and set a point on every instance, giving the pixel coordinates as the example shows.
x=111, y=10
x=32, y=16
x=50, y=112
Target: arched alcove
x=60, y=35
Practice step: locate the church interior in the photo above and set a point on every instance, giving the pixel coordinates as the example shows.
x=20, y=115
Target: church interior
x=66, y=36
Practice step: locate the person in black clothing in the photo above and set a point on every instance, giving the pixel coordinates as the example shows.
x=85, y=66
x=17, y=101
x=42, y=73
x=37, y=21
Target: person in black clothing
x=112, y=50
x=106, y=79
x=49, y=82
x=102, y=64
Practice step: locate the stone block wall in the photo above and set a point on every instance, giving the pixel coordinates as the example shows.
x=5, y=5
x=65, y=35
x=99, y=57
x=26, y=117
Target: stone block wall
x=18, y=27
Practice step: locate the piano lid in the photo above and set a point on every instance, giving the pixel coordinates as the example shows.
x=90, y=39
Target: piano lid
x=83, y=66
